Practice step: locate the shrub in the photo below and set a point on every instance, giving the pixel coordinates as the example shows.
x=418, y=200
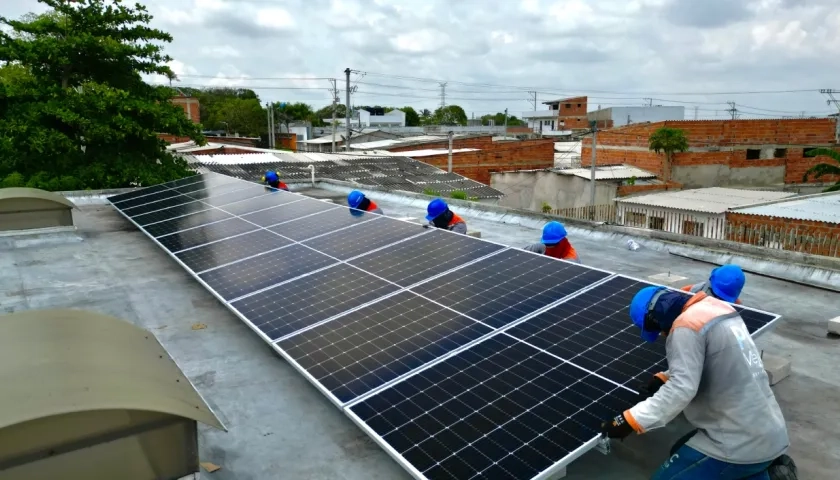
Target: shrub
x=546, y=208
x=458, y=195
x=13, y=180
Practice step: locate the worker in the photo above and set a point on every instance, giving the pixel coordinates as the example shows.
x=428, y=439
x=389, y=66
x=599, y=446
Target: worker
x=716, y=378
x=554, y=243
x=440, y=216
x=272, y=179
x=725, y=283
x=359, y=201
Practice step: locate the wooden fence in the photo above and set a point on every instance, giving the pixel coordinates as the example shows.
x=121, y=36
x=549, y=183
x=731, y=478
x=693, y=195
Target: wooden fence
x=597, y=213
x=785, y=237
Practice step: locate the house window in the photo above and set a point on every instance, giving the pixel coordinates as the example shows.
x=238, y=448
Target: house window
x=635, y=219
x=657, y=223
x=780, y=153
x=753, y=154
x=693, y=228
x=568, y=105
x=578, y=105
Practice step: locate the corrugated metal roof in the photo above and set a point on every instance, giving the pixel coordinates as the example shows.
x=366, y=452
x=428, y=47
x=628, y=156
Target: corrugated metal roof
x=609, y=172
x=707, y=200
x=433, y=151
x=818, y=208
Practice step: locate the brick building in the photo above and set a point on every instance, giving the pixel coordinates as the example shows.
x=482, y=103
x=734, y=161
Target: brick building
x=190, y=105
x=808, y=224
x=724, y=152
x=489, y=157
x=571, y=113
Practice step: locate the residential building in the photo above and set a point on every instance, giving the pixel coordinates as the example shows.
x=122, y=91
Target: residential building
x=324, y=143
x=544, y=121
x=619, y=116
x=807, y=224
x=363, y=118
x=571, y=113
x=190, y=104
x=557, y=190
x=700, y=212
x=754, y=153
x=567, y=154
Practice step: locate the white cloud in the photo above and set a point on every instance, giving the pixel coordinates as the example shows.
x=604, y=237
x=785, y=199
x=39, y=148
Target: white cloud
x=221, y=51
x=274, y=18
x=420, y=41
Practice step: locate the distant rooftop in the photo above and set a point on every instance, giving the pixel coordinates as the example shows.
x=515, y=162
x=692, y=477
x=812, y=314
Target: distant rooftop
x=823, y=207
x=706, y=200
x=609, y=172
x=434, y=151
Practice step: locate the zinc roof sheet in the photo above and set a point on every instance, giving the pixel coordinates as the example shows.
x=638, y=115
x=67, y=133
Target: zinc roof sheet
x=706, y=200
x=818, y=208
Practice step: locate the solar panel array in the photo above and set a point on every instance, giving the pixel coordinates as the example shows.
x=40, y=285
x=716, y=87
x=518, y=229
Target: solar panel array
x=461, y=357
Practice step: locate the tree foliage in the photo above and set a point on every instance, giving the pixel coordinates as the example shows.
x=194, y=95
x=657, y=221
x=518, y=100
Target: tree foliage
x=412, y=119
x=450, y=115
x=74, y=110
x=286, y=113
x=668, y=141
x=821, y=169
x=499, y=119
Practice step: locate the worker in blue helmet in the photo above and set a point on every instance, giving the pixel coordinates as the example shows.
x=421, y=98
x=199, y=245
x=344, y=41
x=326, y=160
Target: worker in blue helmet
x=715, y=377
x=725, y=283
x=272, y=179
x=359, y=204
x=441, y=216
x=554, y=243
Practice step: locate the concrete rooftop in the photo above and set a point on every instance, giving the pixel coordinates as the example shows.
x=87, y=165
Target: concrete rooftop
x=281, y=427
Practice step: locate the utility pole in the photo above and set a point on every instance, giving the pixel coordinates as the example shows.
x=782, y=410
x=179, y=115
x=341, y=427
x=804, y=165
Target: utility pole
x=696, y=109
x=335, y=101
x=449, y=160
x=829, y=92
x=732, y=110
x=268, y=126
x=347, y=125
x=442, y=94
x=592, y=171
x=648, y=102
x=506, y=124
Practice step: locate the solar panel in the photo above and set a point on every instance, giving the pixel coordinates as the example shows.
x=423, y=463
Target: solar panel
x=248, y=276
x=182, y=223
x=144, y=198
x=509, y=285
x=207, y=178
x=361, y=239
x=358, y=352
x=424, y=256
x=262, y=202
x=301, y=303
x=500, y=409
x=170, y=213
x=321, y=223
x=157, y=205
x=251, y=191
x=230, y=250
x=205, y=234
x=142, y=192
x=289, y=211
x=216, y=190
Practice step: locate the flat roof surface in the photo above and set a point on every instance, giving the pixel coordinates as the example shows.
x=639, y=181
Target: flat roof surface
x=279, y=424
x=706, y=200
x=818, y=208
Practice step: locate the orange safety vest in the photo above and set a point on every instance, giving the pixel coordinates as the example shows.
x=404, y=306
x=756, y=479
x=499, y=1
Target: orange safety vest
x=455, y=219
x=562, y=250
x=372, y=206
x=689, y=288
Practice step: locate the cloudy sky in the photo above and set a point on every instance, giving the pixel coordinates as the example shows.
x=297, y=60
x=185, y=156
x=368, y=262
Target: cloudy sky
x=696, y=53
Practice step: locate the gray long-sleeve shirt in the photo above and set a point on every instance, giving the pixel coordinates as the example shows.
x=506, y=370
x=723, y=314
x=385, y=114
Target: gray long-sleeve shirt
x=716, y=378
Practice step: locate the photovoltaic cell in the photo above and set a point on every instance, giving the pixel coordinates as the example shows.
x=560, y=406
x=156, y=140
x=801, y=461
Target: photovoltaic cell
x=136, y=193
x=197, y=187
x=236, y=196
x=358, y=352
x=144, y=199
x=208, y=233
x=500, y=409
x=419, y=258
x=262, y=202
x=158, y=205
x=290, y=211
x=217, y=190
x=170, y=213
x=182, y=223
x=754, y=320
x=504, y=287
x=263, y=271
x=321, y=223
x=308, y=300
x=204, y=177
x=363, y=238
x=219, y=253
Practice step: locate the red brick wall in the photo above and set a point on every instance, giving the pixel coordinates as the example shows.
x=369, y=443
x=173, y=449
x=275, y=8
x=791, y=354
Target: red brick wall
x=190, y=106
x=625, y=190
x=806, y=236
x=172, y=138
x=572, y=113
x=477, y=165
x=797, y=164
x=797, y=133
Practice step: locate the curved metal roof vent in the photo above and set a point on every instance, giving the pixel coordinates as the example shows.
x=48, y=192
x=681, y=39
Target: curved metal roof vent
x=31, y=208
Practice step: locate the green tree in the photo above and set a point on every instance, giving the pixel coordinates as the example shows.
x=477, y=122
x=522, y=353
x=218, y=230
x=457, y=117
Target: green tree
x=323, y=116
x=236, y=115
x=499, y=119
x=450, y=115
x=821, y=169
x=286, y=113
x=412, y=119
x=426, y=117
x=75, y=110
x=668, y=141
x=212, y=103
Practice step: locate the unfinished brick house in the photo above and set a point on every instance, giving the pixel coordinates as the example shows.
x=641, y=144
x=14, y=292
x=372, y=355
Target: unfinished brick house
x=758, y=153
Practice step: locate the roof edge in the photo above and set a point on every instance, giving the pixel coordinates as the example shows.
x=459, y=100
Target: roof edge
x=35, y=194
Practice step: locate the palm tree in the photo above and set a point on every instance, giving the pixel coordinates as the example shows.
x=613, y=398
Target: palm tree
x=668, y=141
x=821, y=169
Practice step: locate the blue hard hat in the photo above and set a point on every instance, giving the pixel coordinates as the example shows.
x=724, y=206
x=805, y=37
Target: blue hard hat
x=553, y=232
x=727, y=282
x=639, y=307
x=436, y=207
x=354, y=199
x=271, y=176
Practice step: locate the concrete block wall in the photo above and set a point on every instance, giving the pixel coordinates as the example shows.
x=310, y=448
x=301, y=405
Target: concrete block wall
x=806, y=236
x=478, y=165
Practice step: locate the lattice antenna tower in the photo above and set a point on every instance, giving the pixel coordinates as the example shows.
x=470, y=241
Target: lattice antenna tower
x=832, y=100
x=442, y=94
x=733, y=111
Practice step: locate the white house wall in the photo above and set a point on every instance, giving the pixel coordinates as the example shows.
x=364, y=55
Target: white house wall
x=671, y=220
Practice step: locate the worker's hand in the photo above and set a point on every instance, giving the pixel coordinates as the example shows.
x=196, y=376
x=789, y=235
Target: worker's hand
x=652, y=387
x=618, y=427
